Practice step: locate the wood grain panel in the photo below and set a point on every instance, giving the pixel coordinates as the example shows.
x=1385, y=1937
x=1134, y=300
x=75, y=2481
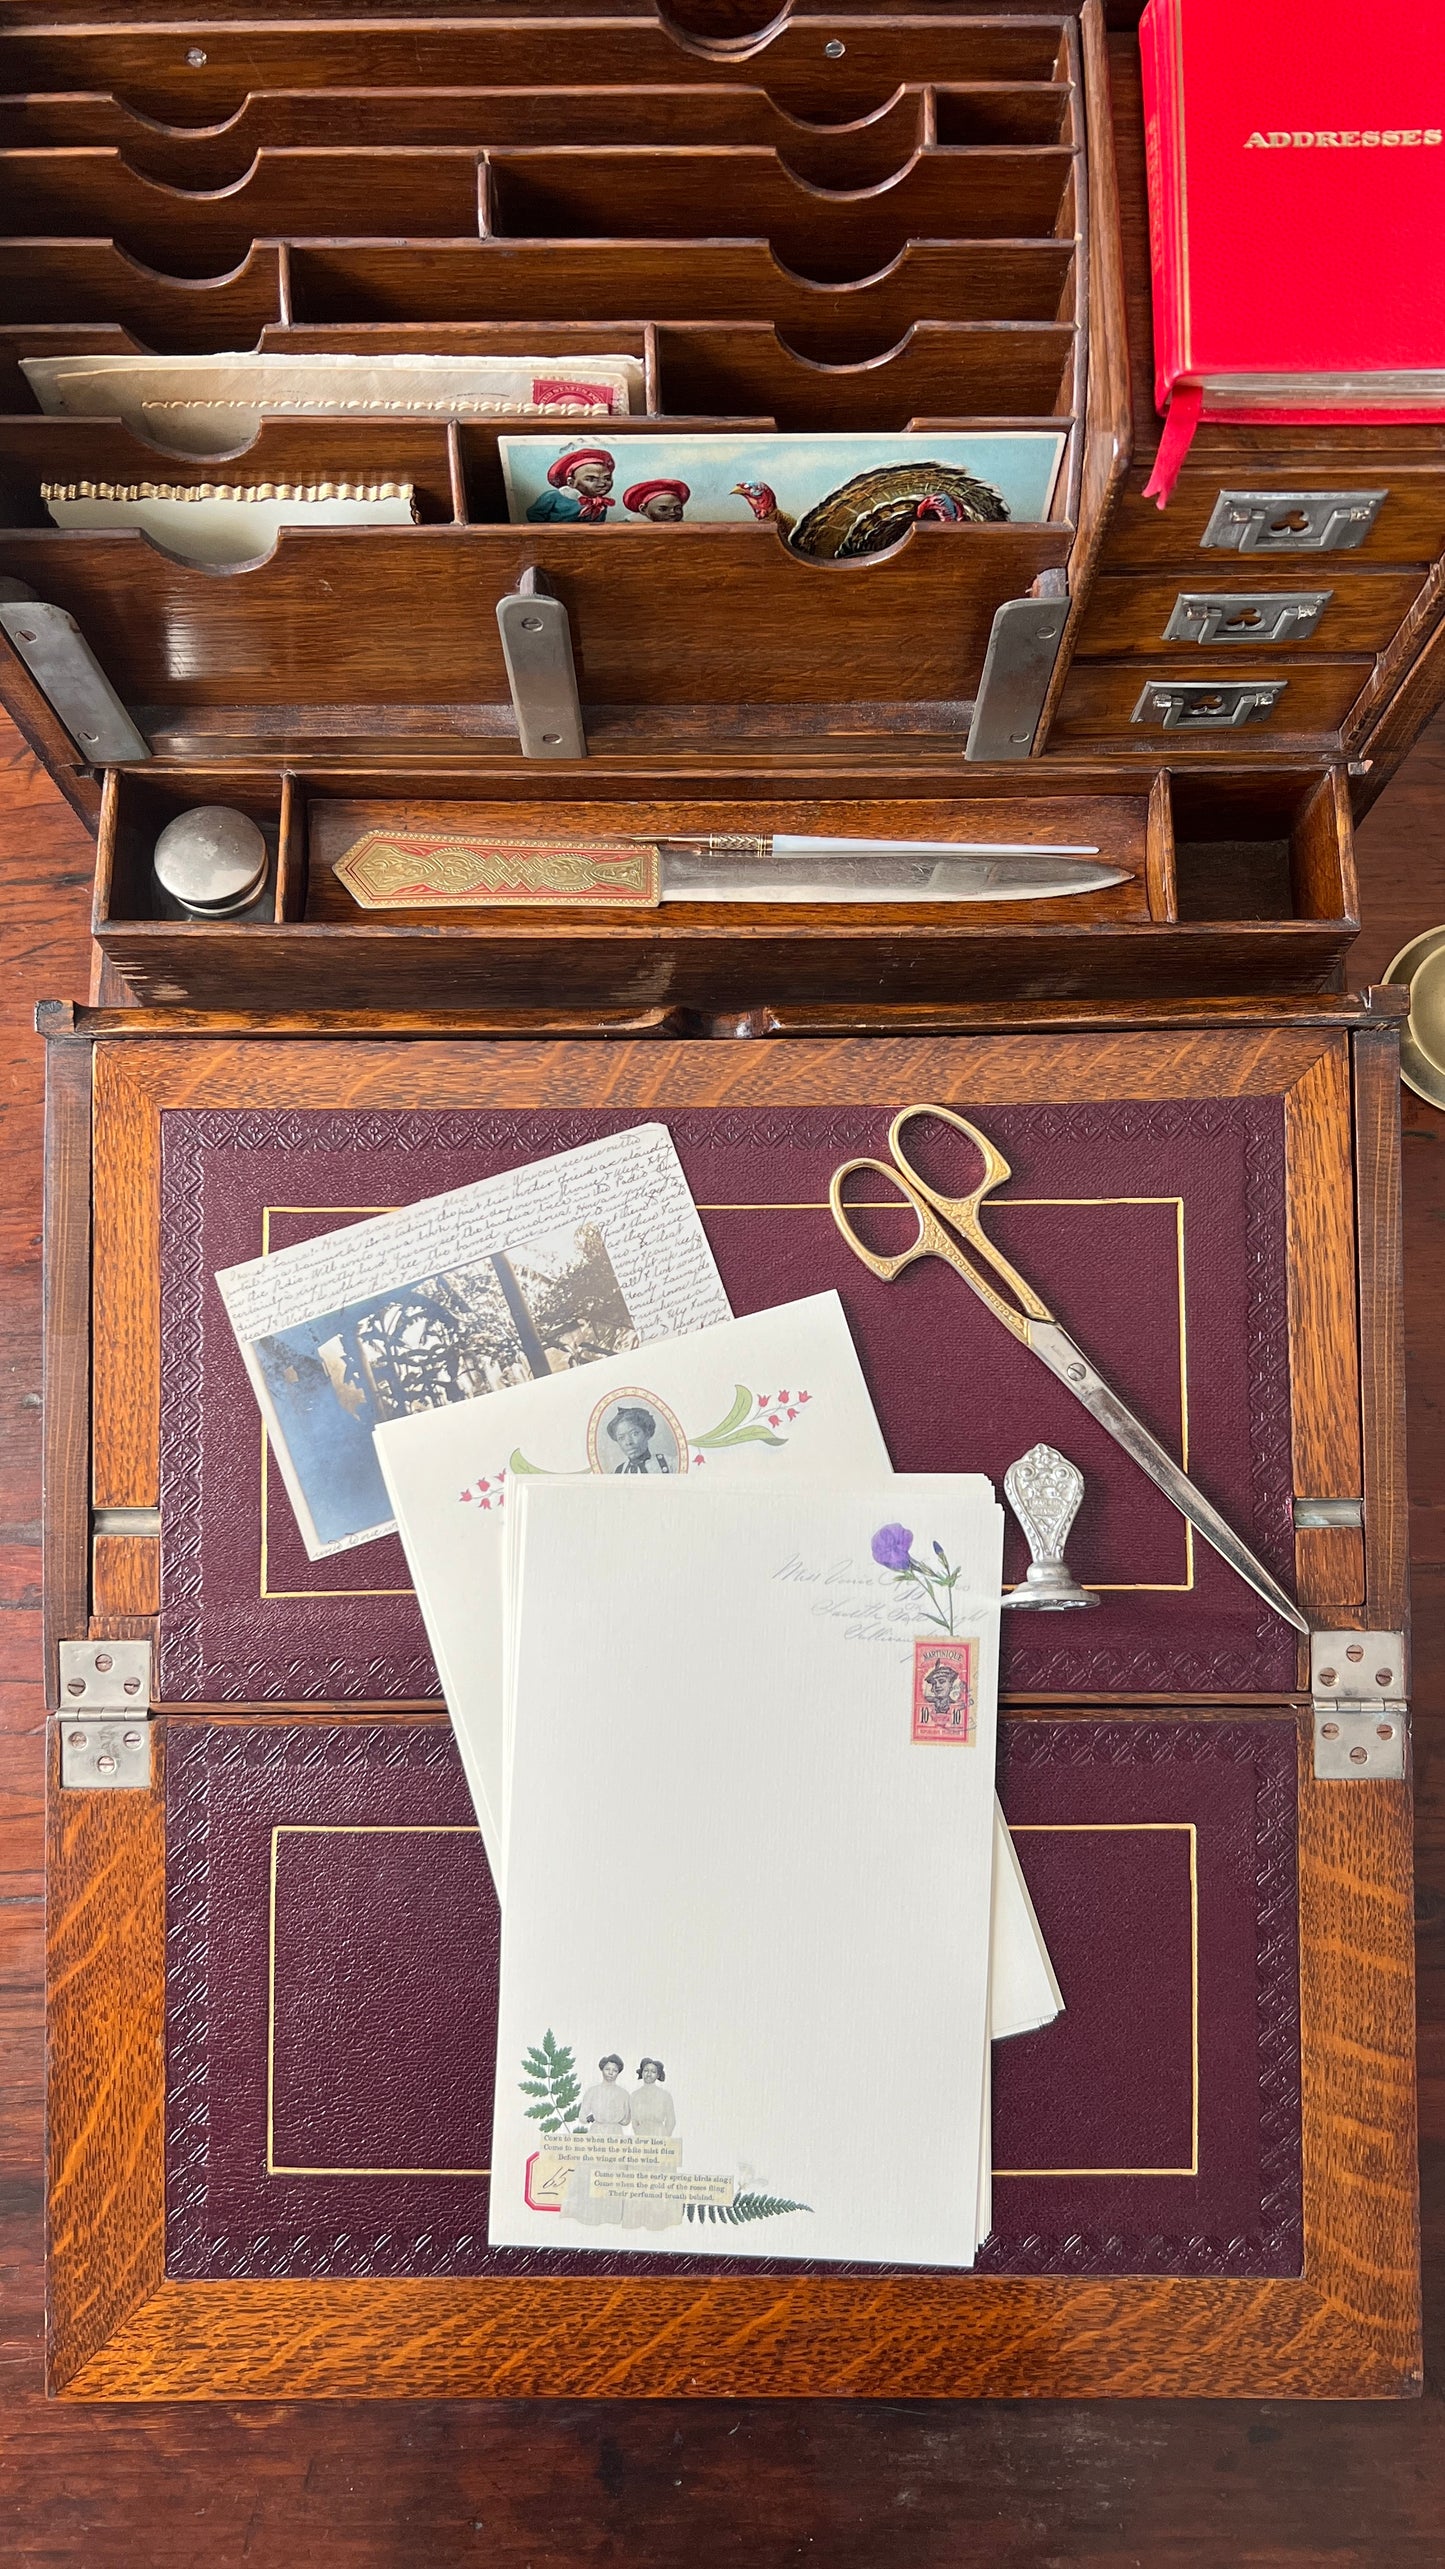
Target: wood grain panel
x=66, y=1481
x=125, y=1578
x=1382, y=1325
x=105, y=1871
x=1324, y=1360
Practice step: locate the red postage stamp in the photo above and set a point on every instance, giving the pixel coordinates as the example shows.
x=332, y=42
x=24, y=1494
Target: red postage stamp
x=945, y=1681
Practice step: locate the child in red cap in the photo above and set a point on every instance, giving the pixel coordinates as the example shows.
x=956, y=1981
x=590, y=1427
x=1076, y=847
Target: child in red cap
x=581, y=488
x=661, y=503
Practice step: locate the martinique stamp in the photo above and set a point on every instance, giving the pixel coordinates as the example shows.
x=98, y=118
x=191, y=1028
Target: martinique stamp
x=945, y=1681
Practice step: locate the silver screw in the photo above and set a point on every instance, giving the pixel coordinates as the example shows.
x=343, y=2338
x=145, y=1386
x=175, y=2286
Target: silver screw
x=1328, y=1677
x=75, y=1685
x=834, y=50
x=195, y=57
x=131, y=1686
x=131, y=1738
x=103, y=1659
x=77, y=1739
x=1383, y=1676
x=1329, y=1730
x=105, y=1765
x=531, y=624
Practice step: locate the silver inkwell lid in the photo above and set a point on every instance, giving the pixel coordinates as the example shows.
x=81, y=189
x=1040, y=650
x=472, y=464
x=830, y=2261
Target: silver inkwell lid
x=213, y=860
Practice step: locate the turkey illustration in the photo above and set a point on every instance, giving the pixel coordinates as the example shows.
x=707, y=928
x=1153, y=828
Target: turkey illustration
x=872, y=510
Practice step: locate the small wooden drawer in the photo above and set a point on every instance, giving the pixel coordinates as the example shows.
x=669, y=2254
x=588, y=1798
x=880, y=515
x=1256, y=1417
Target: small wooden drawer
x=1407, y=526
x=1211, y=704
x=1302, y=607
x=1280, y=915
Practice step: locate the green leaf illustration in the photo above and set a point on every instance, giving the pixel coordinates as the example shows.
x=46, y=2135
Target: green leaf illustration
x=745, y=2207
x=732, y=1431
x=550, y=2075
x=742, y=1403
x=517, y=1462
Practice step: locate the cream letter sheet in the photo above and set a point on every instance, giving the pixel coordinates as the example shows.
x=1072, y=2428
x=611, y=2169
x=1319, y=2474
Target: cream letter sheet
x=751, y=1871
x=776, y=1394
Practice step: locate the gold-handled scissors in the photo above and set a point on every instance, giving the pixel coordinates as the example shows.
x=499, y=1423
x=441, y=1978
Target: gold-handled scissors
x=949, y=1228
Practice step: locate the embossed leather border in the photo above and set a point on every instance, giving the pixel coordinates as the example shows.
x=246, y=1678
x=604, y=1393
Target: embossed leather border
x=199, y=1755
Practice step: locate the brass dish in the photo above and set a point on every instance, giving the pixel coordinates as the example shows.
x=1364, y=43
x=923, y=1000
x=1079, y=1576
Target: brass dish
x=1419, y=968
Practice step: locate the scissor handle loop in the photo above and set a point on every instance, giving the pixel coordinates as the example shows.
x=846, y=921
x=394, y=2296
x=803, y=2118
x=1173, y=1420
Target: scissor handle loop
x=928, y=1240
x=962, y=1210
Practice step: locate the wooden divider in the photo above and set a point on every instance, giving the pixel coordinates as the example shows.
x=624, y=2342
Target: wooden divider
x=155, y=71
x=355, y=281
x=362, y=618
x=858, y=154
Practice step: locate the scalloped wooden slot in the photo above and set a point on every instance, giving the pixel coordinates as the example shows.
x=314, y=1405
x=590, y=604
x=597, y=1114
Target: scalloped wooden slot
x=356, y=281
x=148, y=67
x=939, y=370
x=859, y=153
x=742, y=194
x=93, y=194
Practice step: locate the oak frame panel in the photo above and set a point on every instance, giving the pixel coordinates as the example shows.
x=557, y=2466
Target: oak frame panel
x=1347, y=2328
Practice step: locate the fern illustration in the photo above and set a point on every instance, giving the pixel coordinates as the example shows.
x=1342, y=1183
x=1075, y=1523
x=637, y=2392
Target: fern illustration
x=552, y=2079
x=745, y=2207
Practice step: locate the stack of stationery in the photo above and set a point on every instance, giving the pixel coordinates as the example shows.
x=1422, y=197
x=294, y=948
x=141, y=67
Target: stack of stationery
x=729, y=1800
x=725, y=1691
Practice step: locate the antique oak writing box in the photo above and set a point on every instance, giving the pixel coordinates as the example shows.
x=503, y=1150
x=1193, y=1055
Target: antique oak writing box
x=273, y=1932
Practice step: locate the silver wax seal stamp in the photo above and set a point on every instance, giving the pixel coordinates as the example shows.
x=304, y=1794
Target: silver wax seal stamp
x=212, y=859
x=1044, y=1490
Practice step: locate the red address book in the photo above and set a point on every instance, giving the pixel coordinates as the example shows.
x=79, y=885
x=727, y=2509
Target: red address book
x=1296, y=158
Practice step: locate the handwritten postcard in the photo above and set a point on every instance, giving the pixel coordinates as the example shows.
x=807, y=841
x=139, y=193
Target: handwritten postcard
x=745, y=1952
x=545, y=1269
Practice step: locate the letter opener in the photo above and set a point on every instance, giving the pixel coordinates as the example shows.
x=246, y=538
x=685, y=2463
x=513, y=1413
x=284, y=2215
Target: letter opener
x=1030, y=1321
x=742, y=868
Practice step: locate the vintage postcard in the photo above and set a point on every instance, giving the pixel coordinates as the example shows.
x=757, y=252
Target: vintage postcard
x=547, y=1268
x=214, y=405
x=745, y=1952
x=830, y=496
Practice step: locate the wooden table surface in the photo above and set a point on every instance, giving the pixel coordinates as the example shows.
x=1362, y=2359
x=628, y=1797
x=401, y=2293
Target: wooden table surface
x=845, y=2485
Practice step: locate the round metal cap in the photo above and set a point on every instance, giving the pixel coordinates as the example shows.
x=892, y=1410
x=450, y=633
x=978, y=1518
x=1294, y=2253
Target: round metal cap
x=211, y=859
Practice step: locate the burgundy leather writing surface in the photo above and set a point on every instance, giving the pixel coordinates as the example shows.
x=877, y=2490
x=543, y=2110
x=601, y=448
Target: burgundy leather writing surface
x=1156, y=1230
x=332, y=1954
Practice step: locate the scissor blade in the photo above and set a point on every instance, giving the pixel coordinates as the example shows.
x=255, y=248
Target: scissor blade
x=1077, y=1375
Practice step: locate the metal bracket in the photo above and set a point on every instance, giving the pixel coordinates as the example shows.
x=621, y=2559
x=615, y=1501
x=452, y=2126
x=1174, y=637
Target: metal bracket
x=1291, y=521
x=1018, y=665
x=1245, y=615
x=1314, y=1514
x=105, y=1737
x=68, y=674
x=1357, y=1682
x=1201, y=704
x=541, y=673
